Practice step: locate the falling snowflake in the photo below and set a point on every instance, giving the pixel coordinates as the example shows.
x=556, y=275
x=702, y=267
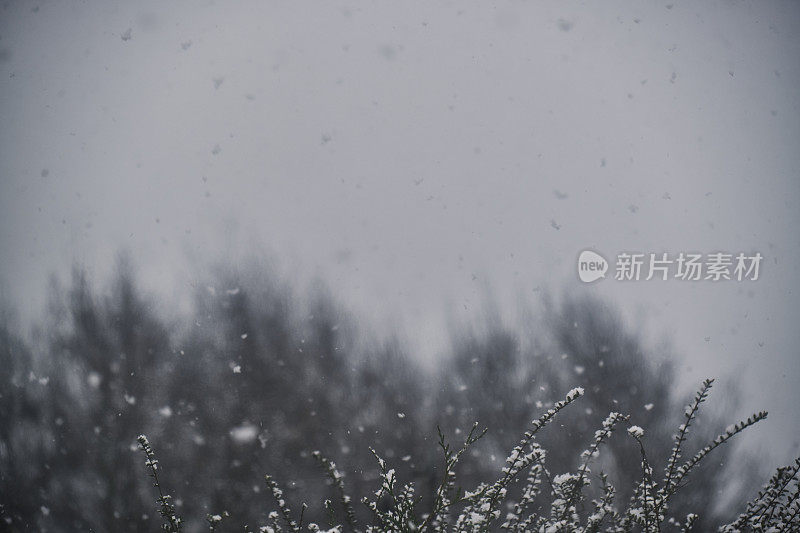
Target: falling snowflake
x=244, y=434
x=94, y=379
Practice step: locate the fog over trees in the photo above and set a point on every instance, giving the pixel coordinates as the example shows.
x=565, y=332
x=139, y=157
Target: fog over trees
x=257, y=378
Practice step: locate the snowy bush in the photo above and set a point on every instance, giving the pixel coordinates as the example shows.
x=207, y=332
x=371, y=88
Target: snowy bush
x=578, y=501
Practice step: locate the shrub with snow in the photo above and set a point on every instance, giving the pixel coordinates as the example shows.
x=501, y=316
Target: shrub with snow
x=547, y=503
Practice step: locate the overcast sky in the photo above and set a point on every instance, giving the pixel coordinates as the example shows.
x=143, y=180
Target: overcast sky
x=417, y=155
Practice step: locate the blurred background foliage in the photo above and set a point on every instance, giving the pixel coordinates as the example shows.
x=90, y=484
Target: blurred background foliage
x=257, y=378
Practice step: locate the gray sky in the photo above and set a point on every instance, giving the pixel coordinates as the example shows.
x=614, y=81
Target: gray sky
x=412, y=154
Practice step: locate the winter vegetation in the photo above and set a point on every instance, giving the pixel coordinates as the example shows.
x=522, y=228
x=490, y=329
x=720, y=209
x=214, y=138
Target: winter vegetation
x=547, y=503
x=263, y=379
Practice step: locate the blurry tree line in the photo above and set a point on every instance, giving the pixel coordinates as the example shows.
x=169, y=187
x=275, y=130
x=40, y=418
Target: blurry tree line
x=257, y=378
